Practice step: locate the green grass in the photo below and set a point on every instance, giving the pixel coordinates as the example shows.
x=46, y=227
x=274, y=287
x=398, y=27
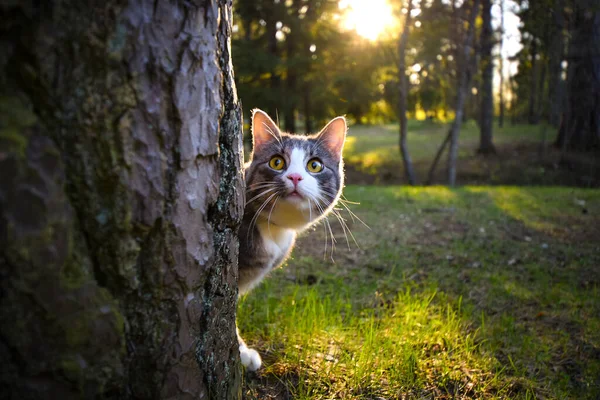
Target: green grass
x=371, y=147
x=475, y=292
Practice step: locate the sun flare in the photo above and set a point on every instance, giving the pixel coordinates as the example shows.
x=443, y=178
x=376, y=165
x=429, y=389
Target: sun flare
x=369, y=18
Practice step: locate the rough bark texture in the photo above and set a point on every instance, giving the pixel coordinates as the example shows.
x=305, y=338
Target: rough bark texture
x=533, y=92
x=486, y=144
x=557, y=44
x=581, y=126
x=501, y=67
x=408, y=168
x=464, y=80
x=120, y=198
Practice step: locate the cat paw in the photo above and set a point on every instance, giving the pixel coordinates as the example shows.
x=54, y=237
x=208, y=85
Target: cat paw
x=250, y=358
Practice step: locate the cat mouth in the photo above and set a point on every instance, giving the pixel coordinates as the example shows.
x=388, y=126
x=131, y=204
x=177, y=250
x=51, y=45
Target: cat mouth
x=294, y=194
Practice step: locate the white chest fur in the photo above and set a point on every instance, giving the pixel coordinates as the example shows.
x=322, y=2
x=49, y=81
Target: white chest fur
x=277, y=241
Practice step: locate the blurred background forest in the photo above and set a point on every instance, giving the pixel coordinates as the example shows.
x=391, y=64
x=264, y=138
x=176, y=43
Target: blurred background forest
x=488, y=290
x=522, y=76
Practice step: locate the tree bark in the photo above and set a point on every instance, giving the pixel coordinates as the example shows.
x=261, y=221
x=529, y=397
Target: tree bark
x=436, y=159
x=120, y=199
x=308, y=125
x=581, y=127
x=271, y=19
x=501, y=65
x=408, y=168
x=463, y=86
x=533, y=90
x=557, y=43
x=291, y=80
x=513, y=100
x=486, y=144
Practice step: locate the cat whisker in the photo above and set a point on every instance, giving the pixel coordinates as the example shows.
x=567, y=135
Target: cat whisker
x=346, y=229
x=260, y=195
x=344, y=199
x=344, y=204
x=273, y=134
x=270, y=212
x=257, y=213
x=324, y=228
x=353, y=216
x=259, y=184
x=326, y=219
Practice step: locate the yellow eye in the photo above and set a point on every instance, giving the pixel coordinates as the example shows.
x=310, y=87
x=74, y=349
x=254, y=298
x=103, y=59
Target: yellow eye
x=314, y=165
x=277, y=163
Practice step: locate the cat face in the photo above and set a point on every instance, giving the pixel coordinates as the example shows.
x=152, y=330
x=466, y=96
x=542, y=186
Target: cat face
x=294, y=180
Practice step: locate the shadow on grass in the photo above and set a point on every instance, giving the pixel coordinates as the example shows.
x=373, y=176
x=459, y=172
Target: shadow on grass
x=471, y=292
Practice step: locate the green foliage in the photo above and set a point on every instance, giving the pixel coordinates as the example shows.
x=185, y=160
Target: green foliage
x=296, y=58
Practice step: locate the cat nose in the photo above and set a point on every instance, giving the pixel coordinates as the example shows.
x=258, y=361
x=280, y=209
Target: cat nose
x=295, y=178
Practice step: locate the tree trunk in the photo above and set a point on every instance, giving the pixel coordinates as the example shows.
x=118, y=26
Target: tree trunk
x=275, y=80
x=408, y=168
x=436, y=159
x=501, y=65
x=291, y=80
x=486, y=145
x=463, y=86
x=120, y=198
x=557, y=43
x=307, y=108
x=581, y=127
x=513, y=100
x=533, y=93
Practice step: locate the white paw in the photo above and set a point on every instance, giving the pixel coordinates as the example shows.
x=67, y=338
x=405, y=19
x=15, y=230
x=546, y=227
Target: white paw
x=250, y=358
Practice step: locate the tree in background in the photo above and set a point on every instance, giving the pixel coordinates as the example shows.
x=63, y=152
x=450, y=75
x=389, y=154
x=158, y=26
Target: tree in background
x=486, y=144
x=120, y=138
x=464, y=80
x=555, y=59
x=403, y=87
x=501, y=68
x=279, y=49
x=581, y=125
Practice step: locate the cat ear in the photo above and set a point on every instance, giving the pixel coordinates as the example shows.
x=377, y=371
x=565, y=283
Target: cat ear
x=333, y=136
x=264, y=130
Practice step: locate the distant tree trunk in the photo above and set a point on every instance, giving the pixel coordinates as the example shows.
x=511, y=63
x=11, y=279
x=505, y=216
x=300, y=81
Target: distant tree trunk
x=408, y=168
x=463, y=85
x=555, y=85
x=533, y=90
x=501, y=65
x=513, y=100
x=290, y=106
x=292, y=73
x=120, y=160
x=275, y=80
x=307, y=108
x=486, y=145
x=436, y=159
x=581, y=127
x=543, y=103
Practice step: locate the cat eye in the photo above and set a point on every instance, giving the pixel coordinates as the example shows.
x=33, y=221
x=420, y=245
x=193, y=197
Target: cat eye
x=277, y=163
x=314, y=165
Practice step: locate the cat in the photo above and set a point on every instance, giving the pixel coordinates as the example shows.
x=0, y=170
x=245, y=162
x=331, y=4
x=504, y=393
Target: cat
x=292, y=181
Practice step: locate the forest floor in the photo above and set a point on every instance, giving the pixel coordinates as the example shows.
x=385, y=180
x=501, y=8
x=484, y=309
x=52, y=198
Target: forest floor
x=474, y=292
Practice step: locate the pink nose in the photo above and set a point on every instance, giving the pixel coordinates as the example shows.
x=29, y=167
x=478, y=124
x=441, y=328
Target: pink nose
x=295, y=178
